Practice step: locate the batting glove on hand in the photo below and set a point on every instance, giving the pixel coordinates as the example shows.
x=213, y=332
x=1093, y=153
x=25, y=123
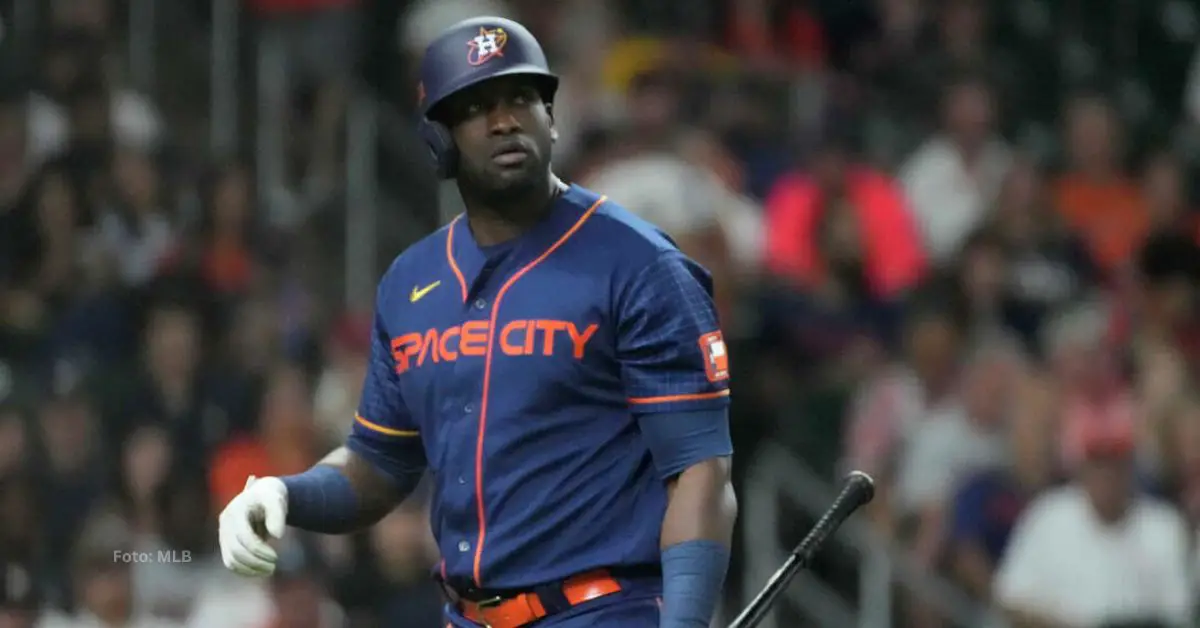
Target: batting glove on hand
x=256, y=515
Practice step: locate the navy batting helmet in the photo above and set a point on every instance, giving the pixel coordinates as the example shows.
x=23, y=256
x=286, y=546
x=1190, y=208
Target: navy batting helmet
x=468, y=53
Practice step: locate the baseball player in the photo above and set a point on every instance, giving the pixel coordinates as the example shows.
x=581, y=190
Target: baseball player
x=556, y=366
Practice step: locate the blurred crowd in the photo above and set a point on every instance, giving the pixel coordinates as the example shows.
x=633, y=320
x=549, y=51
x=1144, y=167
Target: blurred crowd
x=953, y=241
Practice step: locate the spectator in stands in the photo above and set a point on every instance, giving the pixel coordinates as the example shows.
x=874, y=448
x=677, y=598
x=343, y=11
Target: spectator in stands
x=1094, y=195
x=56, y=255
x=101, y=570
x=892, y=406
x=979, y=275
x=1164, y=188
x=1168, y=267
x=961, y=436
x=176, y=387
x=76, y=89
x=1097, y=553
x=230, y=237
x=1047, y=265
x=145, y=462
x=966, y=43
x=832, y=328
x=136, y=229
x=954, y=178
x=74, y=474
x=892, y=254
x=741, y=217
x=987, y=504
x=1090, y=389
x=168, y=588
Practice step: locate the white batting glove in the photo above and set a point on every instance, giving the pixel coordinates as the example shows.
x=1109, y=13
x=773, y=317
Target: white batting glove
x=257, y=515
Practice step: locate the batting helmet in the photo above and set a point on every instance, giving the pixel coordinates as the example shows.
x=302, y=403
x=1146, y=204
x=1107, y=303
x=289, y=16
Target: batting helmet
x=468, y=53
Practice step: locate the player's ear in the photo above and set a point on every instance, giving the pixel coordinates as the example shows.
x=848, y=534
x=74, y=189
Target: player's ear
x=553, y=129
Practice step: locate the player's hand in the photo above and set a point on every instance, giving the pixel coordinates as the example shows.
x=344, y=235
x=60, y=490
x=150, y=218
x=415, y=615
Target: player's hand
x=257, y=515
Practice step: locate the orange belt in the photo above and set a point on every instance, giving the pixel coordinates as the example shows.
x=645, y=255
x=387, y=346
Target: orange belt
x=526, y=608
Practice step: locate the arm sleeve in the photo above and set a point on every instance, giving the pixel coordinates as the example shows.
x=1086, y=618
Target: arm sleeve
x=674, y=363
x=384, y=433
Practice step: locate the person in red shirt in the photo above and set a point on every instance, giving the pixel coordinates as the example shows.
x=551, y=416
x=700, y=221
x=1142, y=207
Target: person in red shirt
x=868, y=203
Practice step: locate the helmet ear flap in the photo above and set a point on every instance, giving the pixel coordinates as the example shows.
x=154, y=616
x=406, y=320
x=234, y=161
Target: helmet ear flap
x=441, y=147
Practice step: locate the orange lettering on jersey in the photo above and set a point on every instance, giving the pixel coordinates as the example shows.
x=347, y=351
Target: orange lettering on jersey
x=446, y=349
x=580, y=340
x=550, y=327
x=474, y=338
x=403, y=348
x=429, y=347
x=516, y=338
x=505, y=344
x=530, y=337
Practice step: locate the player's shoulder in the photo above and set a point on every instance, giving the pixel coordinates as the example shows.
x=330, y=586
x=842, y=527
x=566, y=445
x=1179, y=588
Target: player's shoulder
x=416, y=261
x=631, y=237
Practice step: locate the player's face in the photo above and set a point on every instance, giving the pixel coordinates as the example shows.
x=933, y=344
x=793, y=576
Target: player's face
x=503, y=131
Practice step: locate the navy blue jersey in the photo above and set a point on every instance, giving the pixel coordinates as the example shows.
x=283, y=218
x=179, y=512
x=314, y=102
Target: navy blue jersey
x=517, y=375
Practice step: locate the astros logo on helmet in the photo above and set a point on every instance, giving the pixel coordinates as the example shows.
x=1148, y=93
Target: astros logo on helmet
x=486, y=45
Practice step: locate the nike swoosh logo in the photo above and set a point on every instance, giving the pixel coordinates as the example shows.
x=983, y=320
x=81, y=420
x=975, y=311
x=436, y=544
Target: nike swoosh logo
x=419, y=293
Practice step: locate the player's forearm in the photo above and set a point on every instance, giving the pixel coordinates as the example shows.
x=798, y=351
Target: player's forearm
x=696, y=534
x=377, y=493
x=701, y=505
x=341, y=494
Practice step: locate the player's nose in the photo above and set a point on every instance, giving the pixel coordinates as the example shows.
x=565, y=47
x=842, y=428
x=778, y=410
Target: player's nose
x=502, y=120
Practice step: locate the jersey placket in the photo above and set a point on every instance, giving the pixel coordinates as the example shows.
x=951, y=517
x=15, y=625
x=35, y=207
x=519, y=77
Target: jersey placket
x=465, y=406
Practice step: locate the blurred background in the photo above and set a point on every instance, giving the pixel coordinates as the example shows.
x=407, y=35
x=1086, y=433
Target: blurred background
x=954, y=241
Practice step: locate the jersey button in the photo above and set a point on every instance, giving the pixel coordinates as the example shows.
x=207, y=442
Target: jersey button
x=469, y=408
x=464, y=546
x=480, y=304
x=461, y=480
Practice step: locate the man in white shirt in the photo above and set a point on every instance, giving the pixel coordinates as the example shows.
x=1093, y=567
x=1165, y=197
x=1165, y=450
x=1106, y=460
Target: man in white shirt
x=954, y=178
x=1094, y=553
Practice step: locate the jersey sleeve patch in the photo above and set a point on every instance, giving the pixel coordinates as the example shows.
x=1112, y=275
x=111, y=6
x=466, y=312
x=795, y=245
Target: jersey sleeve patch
x=716, y=357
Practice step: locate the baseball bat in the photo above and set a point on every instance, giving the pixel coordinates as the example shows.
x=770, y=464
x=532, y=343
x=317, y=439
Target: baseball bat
x=857, y=491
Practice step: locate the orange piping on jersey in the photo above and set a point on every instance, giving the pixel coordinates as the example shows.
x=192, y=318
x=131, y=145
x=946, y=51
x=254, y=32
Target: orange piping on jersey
x=691, y=397
x=384, y=430
x=487, y=376
x=450, y=257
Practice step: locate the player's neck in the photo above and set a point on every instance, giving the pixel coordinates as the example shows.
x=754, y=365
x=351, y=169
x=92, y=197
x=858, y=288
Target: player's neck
x=493, y=223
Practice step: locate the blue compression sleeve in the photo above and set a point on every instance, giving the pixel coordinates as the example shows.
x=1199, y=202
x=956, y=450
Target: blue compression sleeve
x=693, y=577
x=321, y=500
